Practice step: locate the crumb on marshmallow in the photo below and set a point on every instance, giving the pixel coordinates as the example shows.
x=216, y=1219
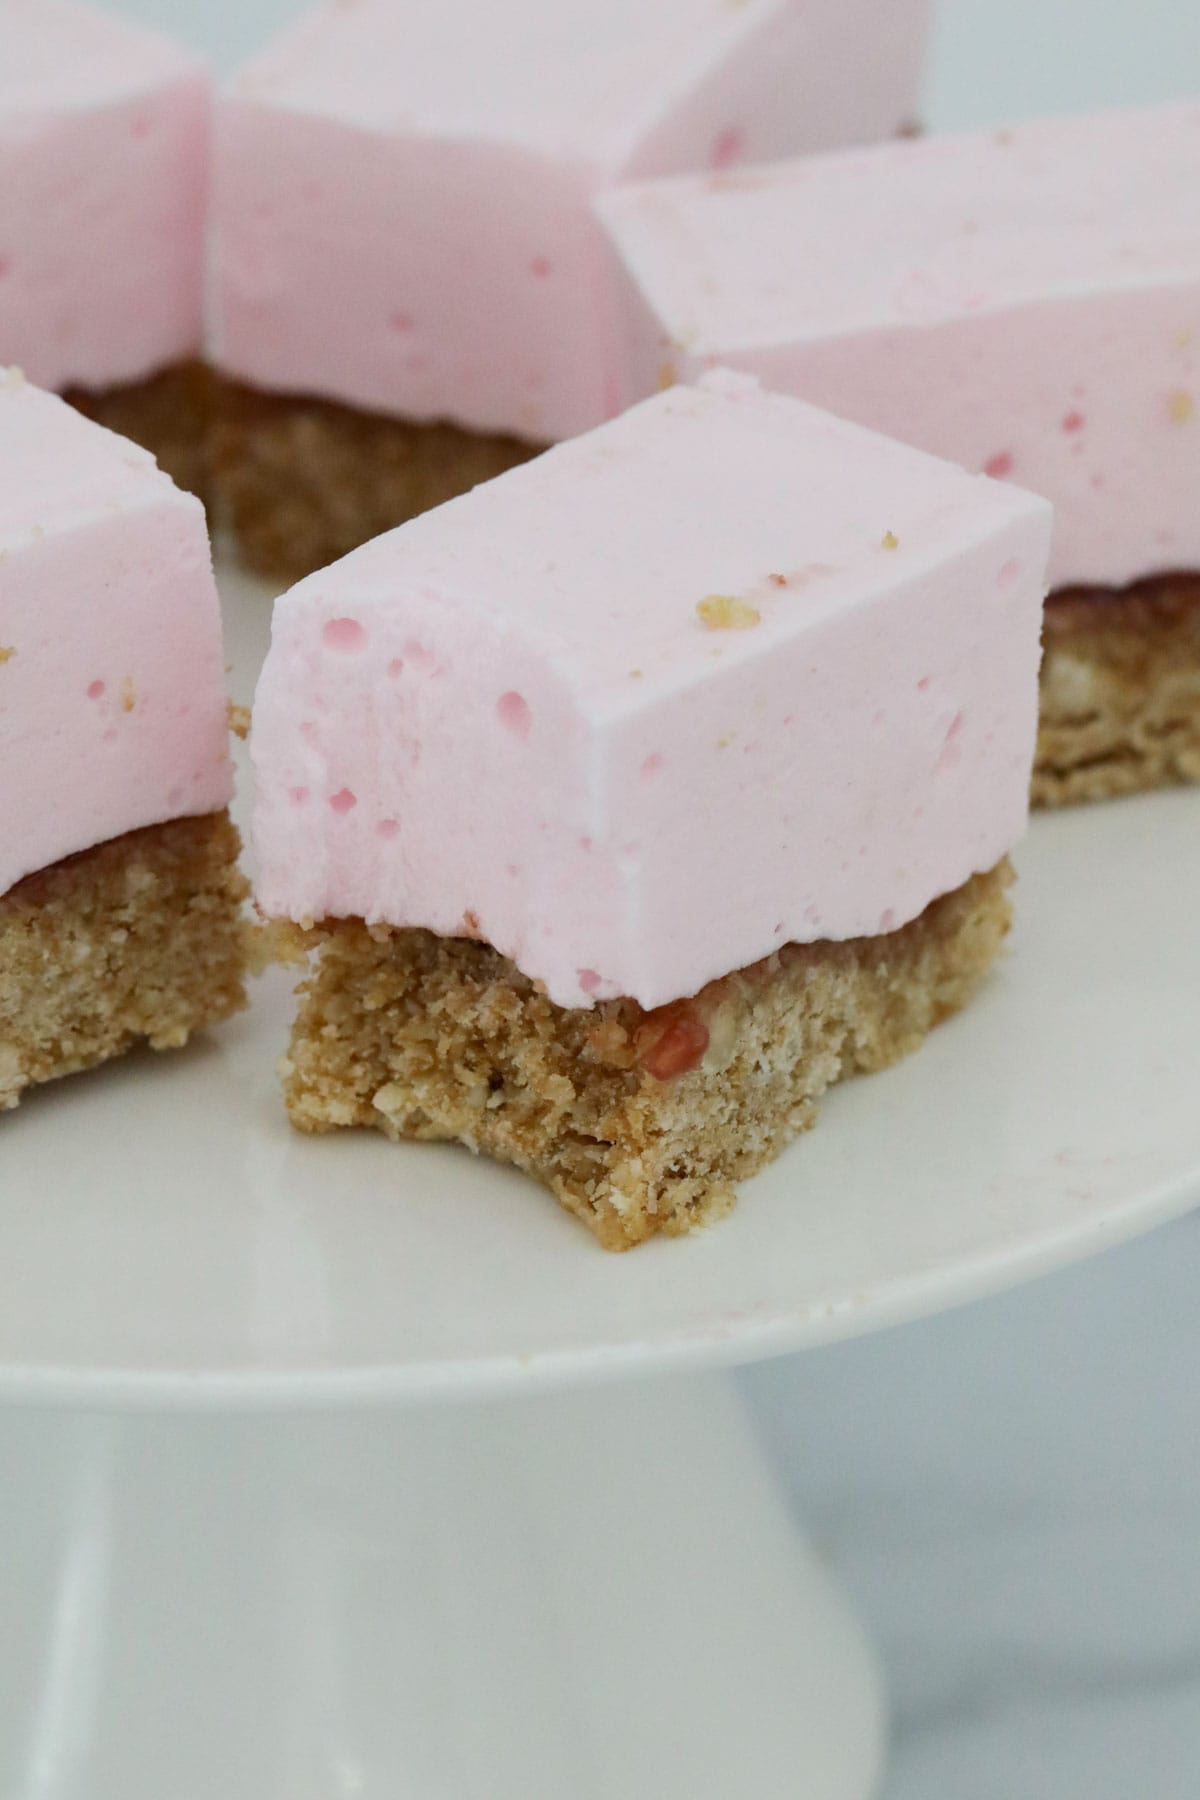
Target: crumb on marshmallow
x=725, y=612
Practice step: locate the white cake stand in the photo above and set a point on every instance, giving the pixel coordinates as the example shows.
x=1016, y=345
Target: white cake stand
x=251, y=1551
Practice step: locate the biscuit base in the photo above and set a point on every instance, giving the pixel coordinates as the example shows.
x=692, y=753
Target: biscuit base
x=1120, y=691
x=300, y=481
x=637, y=1122
x=140, y=939
x=167, y=414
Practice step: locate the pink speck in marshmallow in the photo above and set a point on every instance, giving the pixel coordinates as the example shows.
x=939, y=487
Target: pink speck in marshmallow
x=388, y=828
x=343, y=634
x=923, y=684
x=396, y=667
x=95, y=690
x=541, y=266
x=589, y=981
x=727, y=147
x=343, y=801
x=514, y=714
x=401, y=323
x=298, y=795
x=1009, y=572
x=951, y=747
x=1072, y=422
x=999, y=466
x=651, y=766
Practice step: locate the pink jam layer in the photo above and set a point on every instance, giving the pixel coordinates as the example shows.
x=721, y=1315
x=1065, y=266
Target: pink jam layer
x=1026, y=303
x=723, y=674
x=403, y=191
x=104, y=132
x=112, y=688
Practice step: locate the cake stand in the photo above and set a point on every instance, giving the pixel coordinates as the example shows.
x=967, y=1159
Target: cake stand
x=316, y=1476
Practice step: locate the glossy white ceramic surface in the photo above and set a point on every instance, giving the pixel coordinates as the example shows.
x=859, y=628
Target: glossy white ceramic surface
x=597, y=1597
x=166, y=1239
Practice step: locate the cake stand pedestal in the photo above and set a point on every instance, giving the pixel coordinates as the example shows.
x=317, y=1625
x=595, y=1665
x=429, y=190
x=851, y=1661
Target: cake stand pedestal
x=331, y=1469
x=594, y=1596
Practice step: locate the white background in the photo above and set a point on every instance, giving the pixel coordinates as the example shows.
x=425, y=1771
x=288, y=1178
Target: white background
x=1012, y=1492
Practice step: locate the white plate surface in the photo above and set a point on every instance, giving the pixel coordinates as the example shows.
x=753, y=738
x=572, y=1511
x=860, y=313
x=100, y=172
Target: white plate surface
x=166, y=1239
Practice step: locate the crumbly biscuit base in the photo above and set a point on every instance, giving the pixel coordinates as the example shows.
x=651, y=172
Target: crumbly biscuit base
x=141, y=938
x=167, y=414
x=1120, y=691
x=638, y=1122
x=300, y=481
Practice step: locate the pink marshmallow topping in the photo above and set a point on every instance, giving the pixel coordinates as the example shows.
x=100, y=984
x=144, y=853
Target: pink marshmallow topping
x=112, y=688
x=403, y=191
x=104, y=134
x=725, y=673
x=1025, y=302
